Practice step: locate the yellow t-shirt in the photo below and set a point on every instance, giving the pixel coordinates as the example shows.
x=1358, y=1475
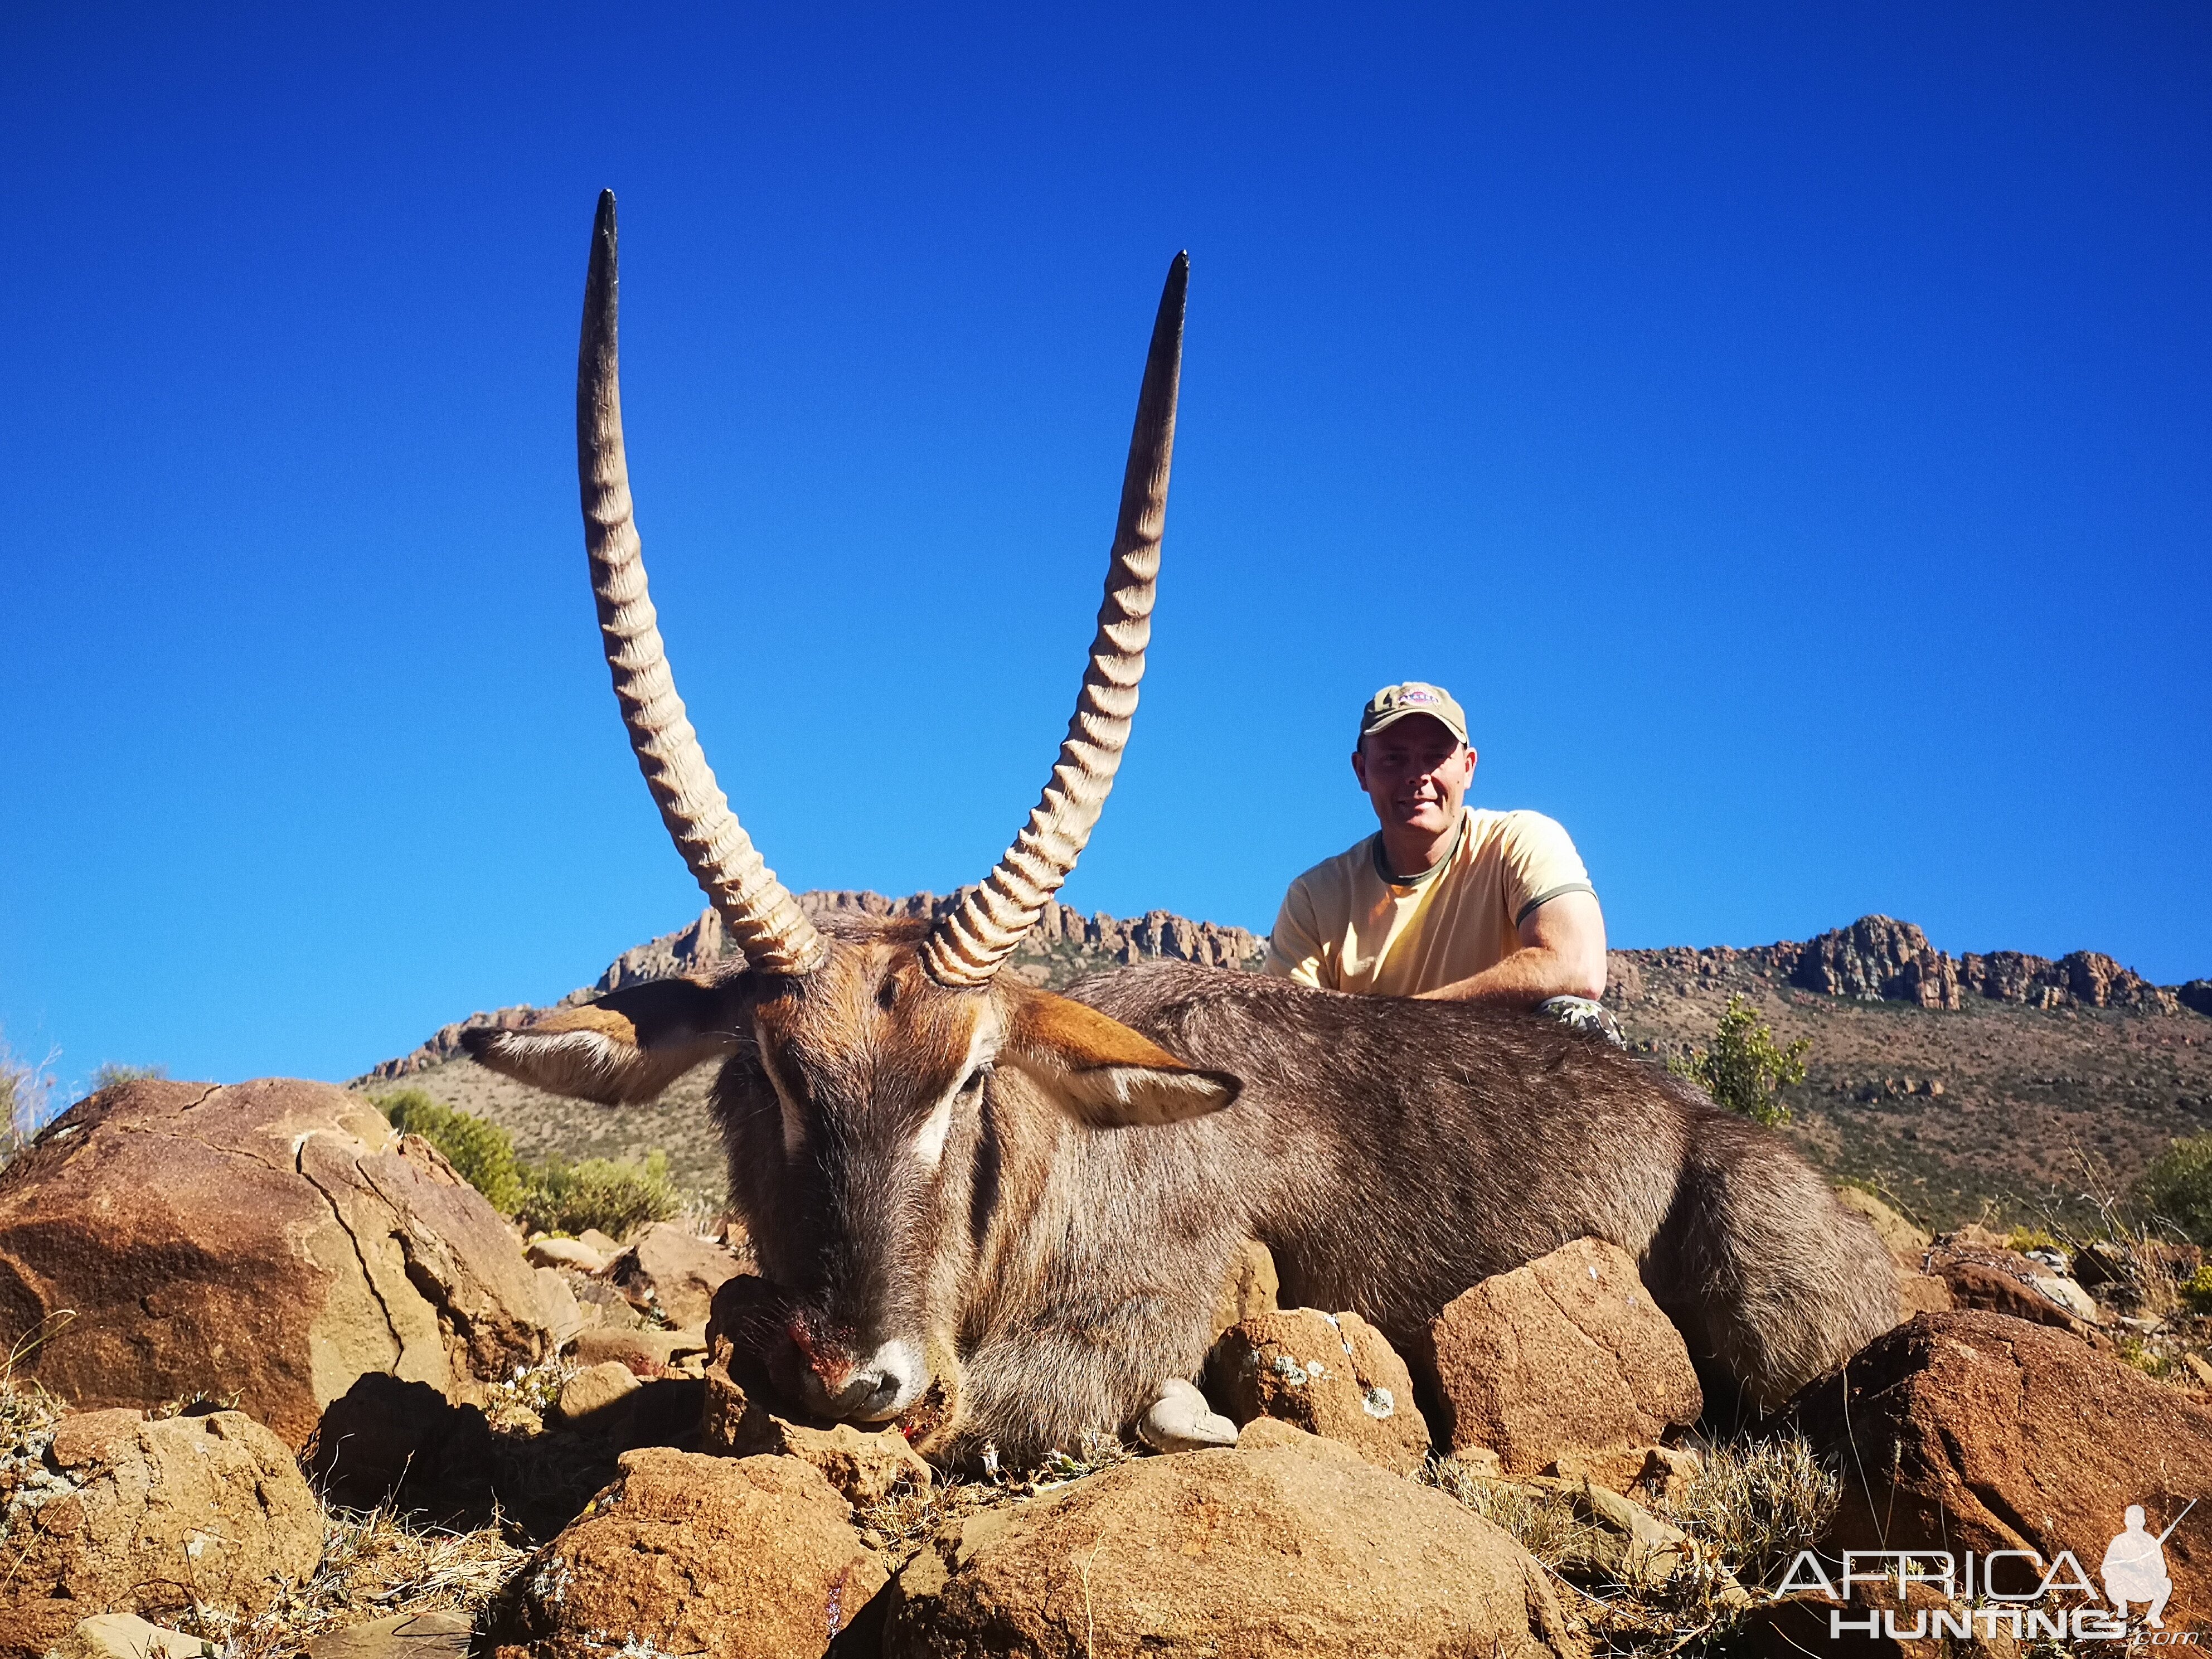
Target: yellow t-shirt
x=1343, y=926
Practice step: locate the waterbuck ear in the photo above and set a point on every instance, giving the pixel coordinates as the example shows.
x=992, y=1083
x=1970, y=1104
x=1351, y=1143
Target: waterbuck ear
x=618, y=1050
x=1101, y=1072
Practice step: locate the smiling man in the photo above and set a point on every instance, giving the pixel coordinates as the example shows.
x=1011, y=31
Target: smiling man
x=1444, y=899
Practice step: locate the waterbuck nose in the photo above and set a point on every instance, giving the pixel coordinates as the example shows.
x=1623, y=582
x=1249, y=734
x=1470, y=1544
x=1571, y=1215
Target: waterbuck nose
x=870, y=1390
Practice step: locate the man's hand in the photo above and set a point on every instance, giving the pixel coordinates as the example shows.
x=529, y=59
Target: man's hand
x=1562, y=954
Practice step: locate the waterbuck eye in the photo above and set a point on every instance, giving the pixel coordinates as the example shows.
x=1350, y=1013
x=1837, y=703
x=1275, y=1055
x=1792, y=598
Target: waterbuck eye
x=974, y=1083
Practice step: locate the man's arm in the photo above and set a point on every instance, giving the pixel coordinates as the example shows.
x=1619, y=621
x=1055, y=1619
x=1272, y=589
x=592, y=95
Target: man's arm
x=1562, y=954
x=1293, y=951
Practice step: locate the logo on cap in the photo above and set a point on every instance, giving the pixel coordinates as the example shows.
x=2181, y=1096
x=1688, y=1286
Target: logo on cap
x=1395, y=703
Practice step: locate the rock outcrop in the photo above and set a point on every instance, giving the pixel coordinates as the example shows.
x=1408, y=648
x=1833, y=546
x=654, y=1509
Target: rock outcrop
x=1877, y=959
x=1332, y=1375
x=268, y=1243
x=751, y=1557
x=1562, y=1359
x=1297, y=1546
x=108, y=1513
x=1977, y=1431
x=671, y=1271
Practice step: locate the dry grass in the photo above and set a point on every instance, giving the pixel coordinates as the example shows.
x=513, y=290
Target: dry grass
x=375, y=1564
x=1757, y=1503
x=27, y=1410
x=1545, y=1524
x=1750, y=1509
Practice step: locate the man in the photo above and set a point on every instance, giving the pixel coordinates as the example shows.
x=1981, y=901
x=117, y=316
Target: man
x=1444, y=901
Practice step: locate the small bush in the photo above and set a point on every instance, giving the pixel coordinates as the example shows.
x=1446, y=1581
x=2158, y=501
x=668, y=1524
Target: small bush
x=1544, y=1524
x=1744, y=1068
x=615, y=1196
x=109, y=1073
x=2177, y=1187
x=2198, y=1291
x=482, y=1153
x=27, y=1099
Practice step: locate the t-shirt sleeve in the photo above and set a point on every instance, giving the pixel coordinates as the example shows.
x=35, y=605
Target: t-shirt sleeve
x=1540, y=863
x=1294, y=950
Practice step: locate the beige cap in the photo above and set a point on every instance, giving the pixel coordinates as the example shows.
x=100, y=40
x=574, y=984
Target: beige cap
x=1393, y=702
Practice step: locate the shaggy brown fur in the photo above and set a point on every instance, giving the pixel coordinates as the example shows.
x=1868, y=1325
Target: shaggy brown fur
x=1390, y=1152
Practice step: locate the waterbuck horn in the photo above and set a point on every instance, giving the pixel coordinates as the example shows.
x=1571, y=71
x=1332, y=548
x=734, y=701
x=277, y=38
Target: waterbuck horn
x=969, y=942
x=755, y=908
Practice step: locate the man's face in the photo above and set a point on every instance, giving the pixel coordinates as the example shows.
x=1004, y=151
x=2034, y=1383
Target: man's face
x=1416, y=772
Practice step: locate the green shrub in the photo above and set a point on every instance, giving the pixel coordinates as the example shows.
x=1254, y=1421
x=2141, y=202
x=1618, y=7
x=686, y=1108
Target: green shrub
x=109, y=1073
x=2197, y=1290
x=1744, y=1068
x=482, y=1153
x=2177, y=1187
x=615, y=1196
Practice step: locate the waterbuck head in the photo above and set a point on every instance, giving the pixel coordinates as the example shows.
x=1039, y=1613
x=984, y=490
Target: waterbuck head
x=880, y=1081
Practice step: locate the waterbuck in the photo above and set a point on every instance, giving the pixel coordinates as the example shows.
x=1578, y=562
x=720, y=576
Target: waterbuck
x=1030, y=1200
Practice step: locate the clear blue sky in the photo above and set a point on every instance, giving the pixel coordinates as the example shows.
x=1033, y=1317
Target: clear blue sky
x=1788, y=430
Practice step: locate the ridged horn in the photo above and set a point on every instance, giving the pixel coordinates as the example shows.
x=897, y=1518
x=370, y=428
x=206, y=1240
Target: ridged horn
x=969, y=941
x=755, y=908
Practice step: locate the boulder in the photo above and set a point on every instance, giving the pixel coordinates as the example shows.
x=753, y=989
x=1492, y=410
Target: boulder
x=434, y=1635
x=549, y=1252
x=1249, y=1288
x=1562, y=1358
x=671, y=1271
x=556, y=1300
x=647, y=1353
x=125, y=1635
x=1900, y=1237
x=109, y=1513
x=751, y=1557
x=1982, y=1273
x=601, y=1305
x=1977, y=1431
x=1923, y=1293
x=268, y=1243
x=1332, y=1375
x=597, y=1392
x=866, y=1467
x=1298, y=1547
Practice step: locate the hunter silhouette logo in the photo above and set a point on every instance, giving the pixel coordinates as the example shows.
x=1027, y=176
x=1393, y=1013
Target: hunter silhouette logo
x=2134, y=1568
x=2011, y=1590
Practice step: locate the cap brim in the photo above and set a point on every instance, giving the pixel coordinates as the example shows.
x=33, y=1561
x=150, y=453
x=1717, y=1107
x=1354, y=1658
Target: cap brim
x=1369, y=728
